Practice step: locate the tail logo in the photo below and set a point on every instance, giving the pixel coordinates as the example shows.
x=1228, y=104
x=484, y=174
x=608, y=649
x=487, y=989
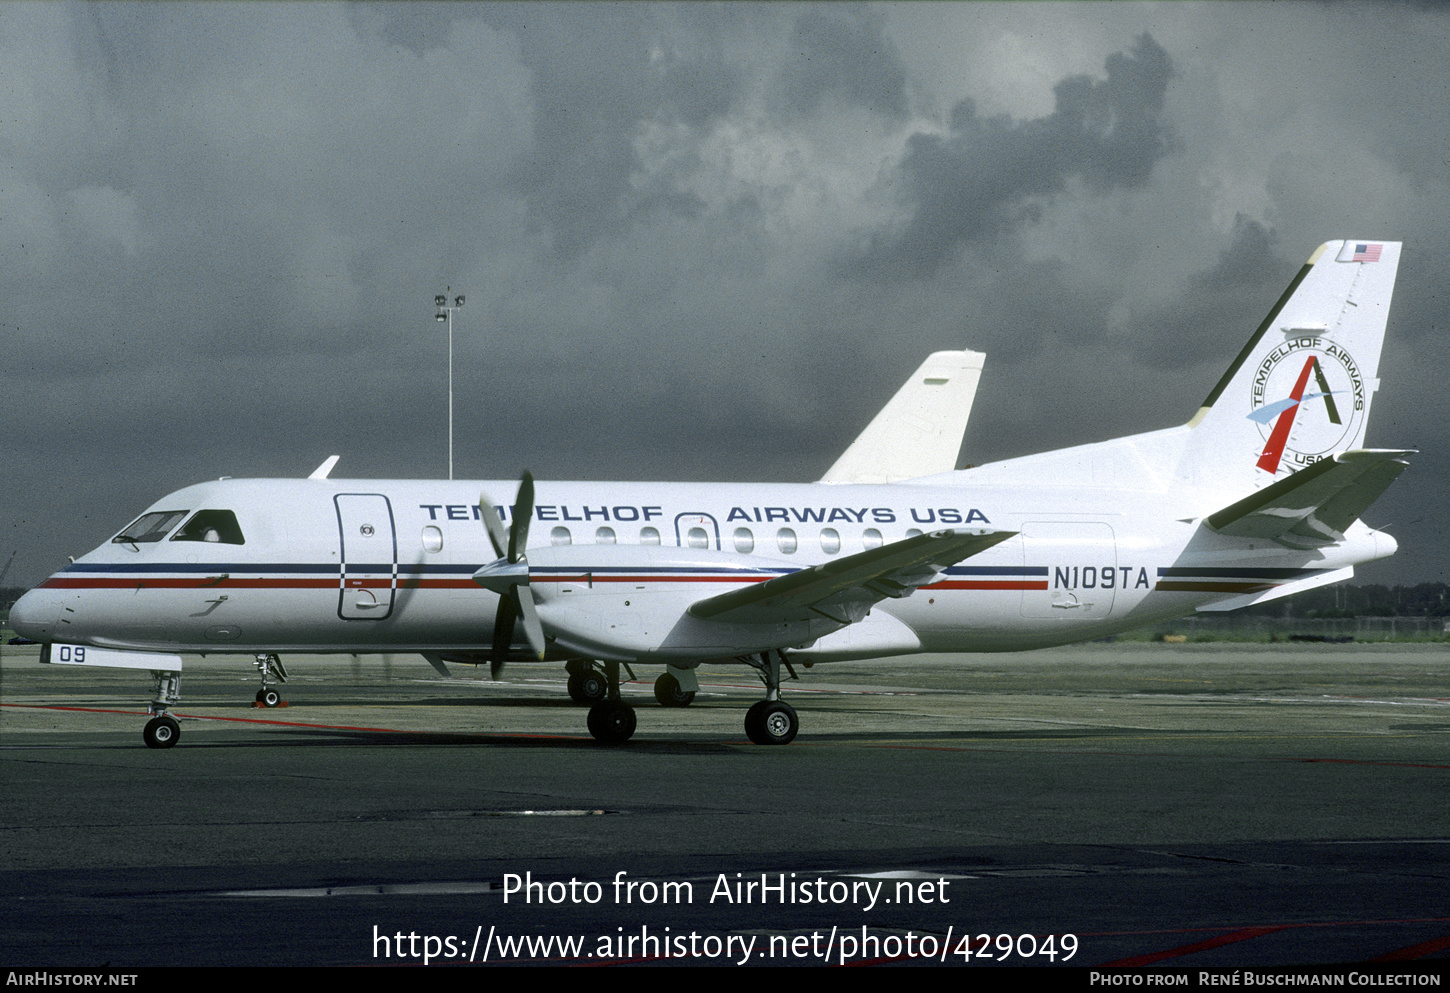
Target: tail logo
x=1308, y=401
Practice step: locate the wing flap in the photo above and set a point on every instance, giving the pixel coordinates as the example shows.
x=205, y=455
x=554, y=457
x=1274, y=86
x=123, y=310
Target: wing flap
x=844, y=590
x=1314, y=506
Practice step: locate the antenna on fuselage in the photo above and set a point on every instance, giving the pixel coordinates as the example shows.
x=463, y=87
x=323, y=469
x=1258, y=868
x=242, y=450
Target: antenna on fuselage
x=321, y=471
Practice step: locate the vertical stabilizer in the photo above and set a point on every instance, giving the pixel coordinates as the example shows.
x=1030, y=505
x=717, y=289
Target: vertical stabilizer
x=919, y=432
x=1300, y=390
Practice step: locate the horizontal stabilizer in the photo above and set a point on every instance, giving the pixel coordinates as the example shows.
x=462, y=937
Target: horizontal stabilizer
x=1314, y=506
x=845, y=589
x=1323, y=577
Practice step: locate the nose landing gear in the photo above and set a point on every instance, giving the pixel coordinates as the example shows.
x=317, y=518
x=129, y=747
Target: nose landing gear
x=162, y=731
x=270, y=667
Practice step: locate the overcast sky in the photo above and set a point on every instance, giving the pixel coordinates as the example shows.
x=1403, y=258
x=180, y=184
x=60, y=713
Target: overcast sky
x=697, y=242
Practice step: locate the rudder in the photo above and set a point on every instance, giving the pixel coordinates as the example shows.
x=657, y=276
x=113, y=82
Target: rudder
x=1300, y=390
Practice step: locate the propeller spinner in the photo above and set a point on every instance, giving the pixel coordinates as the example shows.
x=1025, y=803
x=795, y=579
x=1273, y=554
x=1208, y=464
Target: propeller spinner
x=509, y=576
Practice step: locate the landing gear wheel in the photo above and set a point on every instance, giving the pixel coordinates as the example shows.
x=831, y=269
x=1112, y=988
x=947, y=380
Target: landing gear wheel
x=669, y=693
x=771, y=722
x=611, y=722
x=269, y=698
x=161, y=732
x=588, y=686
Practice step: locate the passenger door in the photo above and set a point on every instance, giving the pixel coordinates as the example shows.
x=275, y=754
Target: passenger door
x=369, y=571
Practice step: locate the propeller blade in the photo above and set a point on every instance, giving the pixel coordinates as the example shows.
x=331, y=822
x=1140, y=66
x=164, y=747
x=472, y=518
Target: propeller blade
x=509, y=577
x=503, y=633
x=497, y=533
x=533, y=627
x=523, y=513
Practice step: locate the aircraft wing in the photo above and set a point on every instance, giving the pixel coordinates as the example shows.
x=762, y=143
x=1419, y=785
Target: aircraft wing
x=1314, y=506
x=919, y=431
x=845, y=589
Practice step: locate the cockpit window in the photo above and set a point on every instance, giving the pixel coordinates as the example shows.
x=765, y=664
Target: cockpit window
x=212, y=525
x=149, y=527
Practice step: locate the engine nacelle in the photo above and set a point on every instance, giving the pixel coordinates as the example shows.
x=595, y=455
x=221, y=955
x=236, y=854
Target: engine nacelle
x=630, y=603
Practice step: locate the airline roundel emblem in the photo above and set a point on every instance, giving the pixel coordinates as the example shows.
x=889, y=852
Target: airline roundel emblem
x=1308, y=401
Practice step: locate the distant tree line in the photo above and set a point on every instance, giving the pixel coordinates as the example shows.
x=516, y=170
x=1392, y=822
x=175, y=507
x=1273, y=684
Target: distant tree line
x=9, y=594
x=1371, y=600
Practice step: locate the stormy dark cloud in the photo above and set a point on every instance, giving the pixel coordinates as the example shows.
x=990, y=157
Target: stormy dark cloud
x=697, y=241
x=1208, y=317
x=988, y=175
x=841, y=54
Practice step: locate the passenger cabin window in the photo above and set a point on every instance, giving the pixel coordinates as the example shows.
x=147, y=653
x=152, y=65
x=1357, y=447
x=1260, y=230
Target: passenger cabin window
x=561, y=536
x=744, y=541
x=149, y=527
x=649, y=536
x=211, y=525
x=871, y=538
x=432, y=539
x=785, y=538
x=604, y=536
x=697, y=538
x=830, y=541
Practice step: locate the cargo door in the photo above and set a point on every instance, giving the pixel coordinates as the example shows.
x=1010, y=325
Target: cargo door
x=1081, y=559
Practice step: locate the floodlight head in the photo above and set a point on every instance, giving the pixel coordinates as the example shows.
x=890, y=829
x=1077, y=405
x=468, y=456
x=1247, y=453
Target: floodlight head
x=440, y=301
x=440, y=317
x=458, y=301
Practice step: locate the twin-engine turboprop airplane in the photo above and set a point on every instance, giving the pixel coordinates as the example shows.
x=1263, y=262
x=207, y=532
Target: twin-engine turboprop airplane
x=1258, y=496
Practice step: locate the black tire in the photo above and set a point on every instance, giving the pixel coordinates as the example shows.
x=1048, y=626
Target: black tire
x=589, y=687
x=669, y=693
x=269, y=698
x=771, y=722
x=161, y=732
x=611, y=722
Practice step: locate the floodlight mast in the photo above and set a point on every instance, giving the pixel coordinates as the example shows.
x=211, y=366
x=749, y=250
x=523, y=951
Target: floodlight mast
x=445, y=313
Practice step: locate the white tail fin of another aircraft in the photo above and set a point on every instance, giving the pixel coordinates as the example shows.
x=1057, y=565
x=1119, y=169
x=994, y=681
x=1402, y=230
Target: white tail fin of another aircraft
x=1301, y=389
x=919, y=432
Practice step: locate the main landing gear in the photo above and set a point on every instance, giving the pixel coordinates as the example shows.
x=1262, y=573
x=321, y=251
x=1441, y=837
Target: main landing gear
x=670, y=693
x=587, y=684
x=771, y=721
x=611, y=721
x=270, y=666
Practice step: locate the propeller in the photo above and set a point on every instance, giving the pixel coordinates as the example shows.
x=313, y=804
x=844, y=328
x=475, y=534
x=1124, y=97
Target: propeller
x=509, y=576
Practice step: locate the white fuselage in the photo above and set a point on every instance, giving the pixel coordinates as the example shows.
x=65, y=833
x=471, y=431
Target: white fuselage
x=358, y=566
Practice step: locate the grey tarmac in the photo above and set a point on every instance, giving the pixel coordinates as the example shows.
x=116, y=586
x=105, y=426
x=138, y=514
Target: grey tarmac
x=1185, y=805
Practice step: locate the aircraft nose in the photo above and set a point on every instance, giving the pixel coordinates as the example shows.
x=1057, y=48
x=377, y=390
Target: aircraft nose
x=34, y=614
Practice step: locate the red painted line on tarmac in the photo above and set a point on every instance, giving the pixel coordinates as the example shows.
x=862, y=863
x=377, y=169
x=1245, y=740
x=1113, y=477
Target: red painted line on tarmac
x=290, y=724
x=83, y=710
x=1199, y=946
x=1415, y=951
x=1394, y=765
